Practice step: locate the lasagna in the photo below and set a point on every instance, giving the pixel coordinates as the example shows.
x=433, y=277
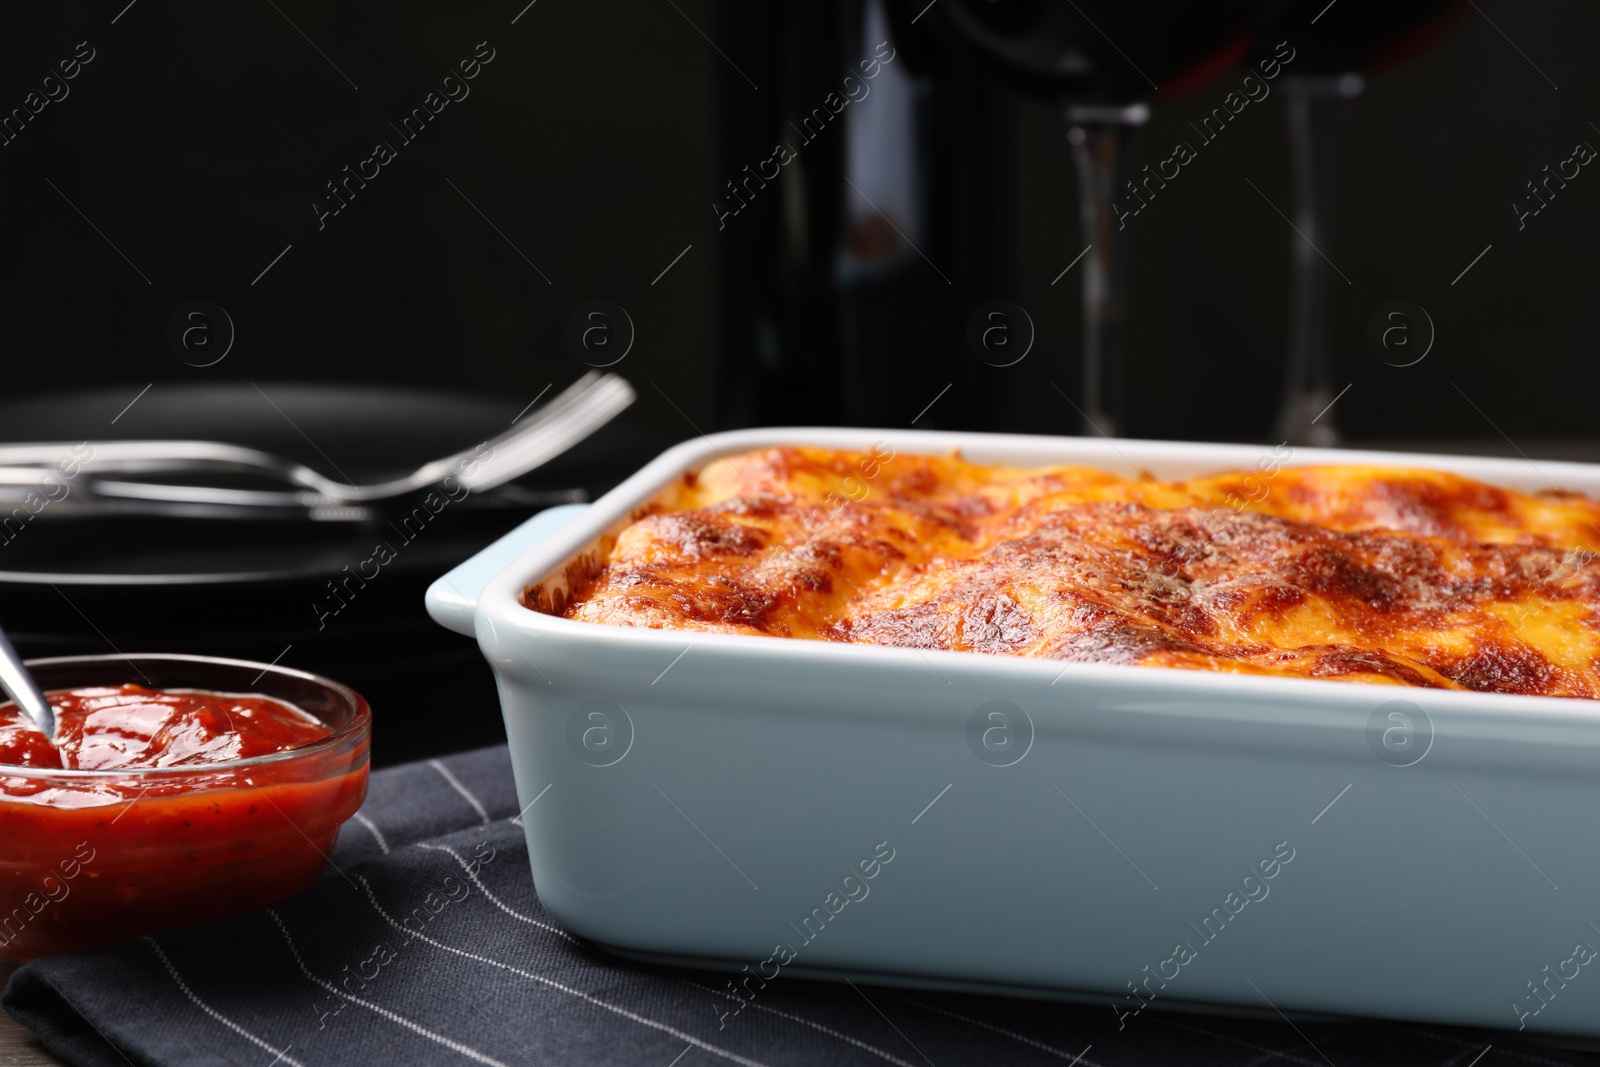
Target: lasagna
x=1371, y=574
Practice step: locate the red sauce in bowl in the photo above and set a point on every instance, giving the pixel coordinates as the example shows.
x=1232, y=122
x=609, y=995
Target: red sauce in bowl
x=113, y=727
x=165, y=807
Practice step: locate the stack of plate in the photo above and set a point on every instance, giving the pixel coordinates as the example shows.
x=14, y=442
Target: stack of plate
x=263, y=589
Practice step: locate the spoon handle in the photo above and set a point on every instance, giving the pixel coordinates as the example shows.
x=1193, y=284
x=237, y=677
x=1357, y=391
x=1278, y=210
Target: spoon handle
x=16, y=681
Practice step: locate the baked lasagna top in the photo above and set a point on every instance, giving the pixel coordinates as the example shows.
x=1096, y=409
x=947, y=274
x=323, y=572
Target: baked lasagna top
x=1372, y=574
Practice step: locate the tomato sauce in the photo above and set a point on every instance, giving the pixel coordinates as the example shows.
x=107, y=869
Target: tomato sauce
x=113, y=727
x=143, y=818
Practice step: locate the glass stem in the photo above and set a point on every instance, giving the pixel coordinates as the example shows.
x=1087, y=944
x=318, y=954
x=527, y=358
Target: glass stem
x=1103, y=140
x=1314, y=181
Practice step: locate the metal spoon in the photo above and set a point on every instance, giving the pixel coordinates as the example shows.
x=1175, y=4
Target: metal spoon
x=16, y=681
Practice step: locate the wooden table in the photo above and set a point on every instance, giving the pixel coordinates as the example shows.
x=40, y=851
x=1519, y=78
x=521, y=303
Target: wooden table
x=19, y=1048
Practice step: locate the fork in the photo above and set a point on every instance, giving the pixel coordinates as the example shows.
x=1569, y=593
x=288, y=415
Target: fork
x=573, y=415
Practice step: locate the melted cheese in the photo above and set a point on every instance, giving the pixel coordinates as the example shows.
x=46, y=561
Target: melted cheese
x=1375, y=574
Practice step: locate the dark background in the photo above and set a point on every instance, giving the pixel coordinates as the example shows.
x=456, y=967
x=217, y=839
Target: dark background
x=200, y=135
x=186, y=159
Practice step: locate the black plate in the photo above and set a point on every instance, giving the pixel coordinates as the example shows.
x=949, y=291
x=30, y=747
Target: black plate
x=254, y=589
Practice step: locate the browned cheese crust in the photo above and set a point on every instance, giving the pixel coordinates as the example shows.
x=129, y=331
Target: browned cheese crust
x=1403, y=577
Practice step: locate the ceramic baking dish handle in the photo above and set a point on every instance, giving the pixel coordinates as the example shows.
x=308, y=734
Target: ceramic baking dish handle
x=453, y=599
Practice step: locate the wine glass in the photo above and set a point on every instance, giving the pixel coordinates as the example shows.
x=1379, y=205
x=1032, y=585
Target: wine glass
x=1101, y=64
x=1333, y=50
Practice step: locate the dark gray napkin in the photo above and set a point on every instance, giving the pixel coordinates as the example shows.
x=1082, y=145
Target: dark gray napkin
x=425, y=943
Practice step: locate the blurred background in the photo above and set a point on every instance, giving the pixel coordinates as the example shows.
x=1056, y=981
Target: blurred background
x=941, y=164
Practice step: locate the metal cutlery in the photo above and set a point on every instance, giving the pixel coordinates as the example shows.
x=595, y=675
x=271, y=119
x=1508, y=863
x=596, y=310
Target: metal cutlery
x=18, y=683
x=570, y=417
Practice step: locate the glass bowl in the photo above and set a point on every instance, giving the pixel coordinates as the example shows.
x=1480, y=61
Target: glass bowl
x=92, y=857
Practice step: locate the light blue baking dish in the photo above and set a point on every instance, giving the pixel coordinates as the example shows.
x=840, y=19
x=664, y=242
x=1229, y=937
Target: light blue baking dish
x=1134, y=835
